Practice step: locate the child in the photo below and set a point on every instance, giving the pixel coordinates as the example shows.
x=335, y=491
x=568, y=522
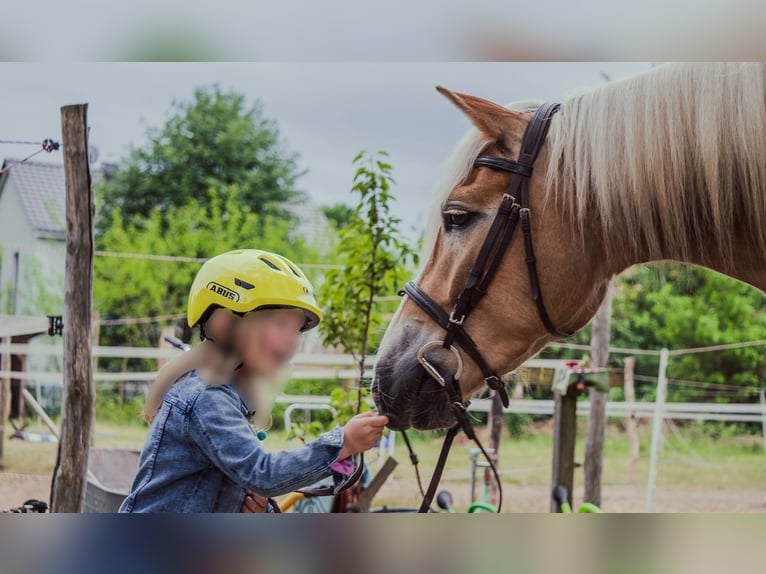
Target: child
x=201, y=453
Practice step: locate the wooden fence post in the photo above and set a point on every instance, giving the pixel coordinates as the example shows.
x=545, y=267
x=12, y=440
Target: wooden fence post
x=78, y=401
x=564, y=436
x=594, y=443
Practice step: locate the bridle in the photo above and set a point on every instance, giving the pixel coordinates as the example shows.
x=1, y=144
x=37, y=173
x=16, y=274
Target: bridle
x=513, y=209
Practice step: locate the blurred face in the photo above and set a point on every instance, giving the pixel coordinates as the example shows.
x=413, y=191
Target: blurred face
x=266, y=340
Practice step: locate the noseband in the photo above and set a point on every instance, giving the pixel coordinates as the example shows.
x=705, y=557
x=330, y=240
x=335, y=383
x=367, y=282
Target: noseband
x=514, y=208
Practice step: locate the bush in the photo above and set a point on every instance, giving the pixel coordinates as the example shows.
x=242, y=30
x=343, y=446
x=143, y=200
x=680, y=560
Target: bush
x=110, y=409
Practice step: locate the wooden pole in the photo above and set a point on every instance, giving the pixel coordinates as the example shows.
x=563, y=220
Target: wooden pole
x=564, y=435
x=659, y=409
x=495, y=437
x=631, y=426
x=77, y=412
x=594, y=443
x=35, y=406
x=365, y=499
x=5, y=394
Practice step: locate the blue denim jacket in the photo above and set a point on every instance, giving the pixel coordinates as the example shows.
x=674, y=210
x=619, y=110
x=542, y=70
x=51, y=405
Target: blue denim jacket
x=202, y=455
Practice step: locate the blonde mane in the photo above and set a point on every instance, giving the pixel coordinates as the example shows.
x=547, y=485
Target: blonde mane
x=666, y=159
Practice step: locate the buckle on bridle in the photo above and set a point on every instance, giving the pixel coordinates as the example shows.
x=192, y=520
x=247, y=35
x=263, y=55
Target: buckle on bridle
x=493, y=382
x=454, y=320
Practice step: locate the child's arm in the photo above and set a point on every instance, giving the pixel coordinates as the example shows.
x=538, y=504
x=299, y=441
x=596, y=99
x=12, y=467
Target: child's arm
x=220, y=430
x=193, y=359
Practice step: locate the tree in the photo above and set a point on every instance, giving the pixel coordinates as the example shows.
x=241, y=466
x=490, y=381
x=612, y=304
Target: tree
x=685, y=306
x=213, y=141
x=682, y=306
x=217, y=222
x=373, y=257
x=374, y=261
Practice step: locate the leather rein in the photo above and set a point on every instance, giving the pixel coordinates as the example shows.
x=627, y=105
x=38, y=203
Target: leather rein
x=513, y=209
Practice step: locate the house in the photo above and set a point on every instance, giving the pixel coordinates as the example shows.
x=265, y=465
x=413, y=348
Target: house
x=32, y=225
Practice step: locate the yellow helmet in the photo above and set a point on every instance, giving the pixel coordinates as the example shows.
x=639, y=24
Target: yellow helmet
x=250, y=279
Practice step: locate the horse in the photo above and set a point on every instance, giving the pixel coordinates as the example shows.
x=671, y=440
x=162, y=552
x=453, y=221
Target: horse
x=669, y=164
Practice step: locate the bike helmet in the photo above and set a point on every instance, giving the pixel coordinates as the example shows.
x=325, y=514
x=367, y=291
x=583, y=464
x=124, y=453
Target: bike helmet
x=250, y=279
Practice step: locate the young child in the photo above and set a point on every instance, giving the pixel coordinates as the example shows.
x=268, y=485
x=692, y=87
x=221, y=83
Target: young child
x=201, y=453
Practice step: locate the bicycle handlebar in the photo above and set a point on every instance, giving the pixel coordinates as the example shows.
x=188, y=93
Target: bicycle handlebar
x=444, y=500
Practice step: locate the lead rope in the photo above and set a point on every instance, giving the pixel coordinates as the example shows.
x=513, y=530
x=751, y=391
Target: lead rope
x=414, y=460
x=428, y=498
x=464, y=424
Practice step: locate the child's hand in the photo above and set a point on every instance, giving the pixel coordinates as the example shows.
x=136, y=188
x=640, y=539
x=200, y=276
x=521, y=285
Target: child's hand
x=254, y=503
x=361, y=433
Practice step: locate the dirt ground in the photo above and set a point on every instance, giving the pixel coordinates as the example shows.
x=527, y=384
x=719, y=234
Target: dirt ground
x=16, y=488
x=615, y=498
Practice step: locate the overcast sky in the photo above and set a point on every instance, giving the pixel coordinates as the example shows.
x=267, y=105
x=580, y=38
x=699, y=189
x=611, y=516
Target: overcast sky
x=326, y=112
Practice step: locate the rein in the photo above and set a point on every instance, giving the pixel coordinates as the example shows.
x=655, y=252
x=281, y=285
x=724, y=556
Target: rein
x=513, y=209
x=460, y=410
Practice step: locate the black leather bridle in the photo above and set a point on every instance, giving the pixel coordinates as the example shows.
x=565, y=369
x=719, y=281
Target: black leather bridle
x=513, y=209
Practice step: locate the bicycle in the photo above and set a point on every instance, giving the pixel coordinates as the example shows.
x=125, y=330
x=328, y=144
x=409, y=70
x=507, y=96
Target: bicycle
x=31, y=506
x=444, y=501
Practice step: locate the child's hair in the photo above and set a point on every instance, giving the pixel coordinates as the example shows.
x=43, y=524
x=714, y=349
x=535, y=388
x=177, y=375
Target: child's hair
x=219, y=369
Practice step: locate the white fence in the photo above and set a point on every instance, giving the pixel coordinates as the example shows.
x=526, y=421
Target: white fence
x=732, y=412
x=339, y=366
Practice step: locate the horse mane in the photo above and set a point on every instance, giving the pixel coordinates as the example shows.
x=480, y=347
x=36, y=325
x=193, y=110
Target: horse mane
x=666, y=159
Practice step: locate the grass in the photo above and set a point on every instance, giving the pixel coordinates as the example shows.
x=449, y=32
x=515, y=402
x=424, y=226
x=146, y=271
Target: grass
x=692, y=463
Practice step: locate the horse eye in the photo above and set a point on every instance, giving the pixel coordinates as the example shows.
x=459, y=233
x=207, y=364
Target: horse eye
x=456, y=218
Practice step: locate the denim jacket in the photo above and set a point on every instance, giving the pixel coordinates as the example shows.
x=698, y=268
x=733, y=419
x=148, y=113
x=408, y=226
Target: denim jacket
x=202, y=455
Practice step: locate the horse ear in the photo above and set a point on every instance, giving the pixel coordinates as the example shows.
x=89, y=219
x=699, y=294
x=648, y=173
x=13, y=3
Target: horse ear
x=496, y=122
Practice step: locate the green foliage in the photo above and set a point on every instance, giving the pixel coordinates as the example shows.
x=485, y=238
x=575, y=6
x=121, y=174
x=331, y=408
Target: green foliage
x=344, y=401
x=687, y=306
x=517, y=424
x=213, y=141
x=339, y=214
x=201, y=228
x=110, y=409
x=374, y=259
x=681, y=306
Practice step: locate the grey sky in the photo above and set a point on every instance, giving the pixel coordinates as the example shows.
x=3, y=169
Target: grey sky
x=326, y=112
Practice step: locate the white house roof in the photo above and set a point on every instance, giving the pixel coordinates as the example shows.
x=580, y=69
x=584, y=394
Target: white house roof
x=41, y=191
